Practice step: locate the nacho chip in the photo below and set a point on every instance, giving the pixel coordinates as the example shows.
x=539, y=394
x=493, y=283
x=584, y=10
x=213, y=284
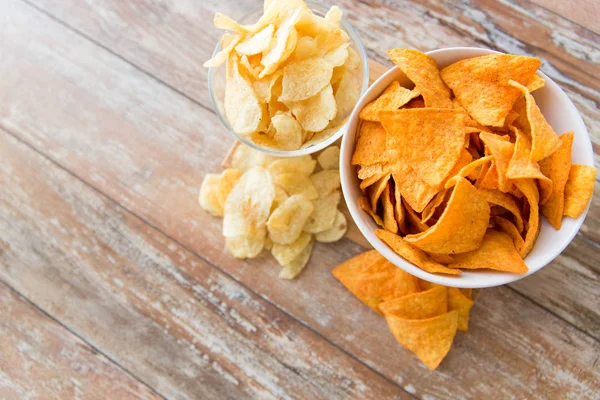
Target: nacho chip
x=530, y=191
x=297, y=265
x=481, y=84
x=336, y=232
x=441, y=258
x=579, y=189
x=417, y=102
x=496, y=197
x=459, y=302
x=419, y=305
x=502, y=150
x=496, y=252
x=399, y=210
x=366, y=206
x=557, y=167
x=330, y=158
x=429, y=140
x=323, y=216
x=286, y=222
x=536, y=82
x=370, y=145
x=422, y=70
x=432, y=206
x=488, y=177
x=506, y=226
x=413, y=254
x=374, y=280
x=315, y=112
x=389, y=219
x=414, y=223
x=286, y=253
x=429, y=339
x=392, y=98
x=304, y=79
x=466, y=171
x=461, y=226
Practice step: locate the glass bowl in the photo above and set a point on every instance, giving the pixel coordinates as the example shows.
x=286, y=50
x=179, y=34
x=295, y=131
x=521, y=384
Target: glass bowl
x=216, y=86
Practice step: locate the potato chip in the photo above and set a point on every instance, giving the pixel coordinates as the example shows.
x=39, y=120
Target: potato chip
x=481, y=84
x=496, y=252
x=246, y=246
x=366, y=206
x=353, y=61
x=209, y=195
x=228, y=179
x=392, y=98
x=297, y=265
x=462, y=304
x=304, y=79
x=374, y=280
x=226, y=23
x=506, y=226
x=337, y=57
x=252, y=70
x=579, y=189
x=330, y=37
x=389, y=219
x=336, y=232
x=502, y=150
x=324, y=214
x=283, y=44
x=286, y=222
x=496, y=197
x=419, y=305
x=306, y=47
x=264, y=88
x=429, y=140
x=429, y=210
x=429, y=339
x=326, y=182
x=334, y=15
x=315, y=112
x=330, y=158
x=319, y=137
x=376, y=190
x=229, y=41
x=530, y=191
x=413, y=254
x=280, y=196
x=422, y=70
x=557, y=167
x=252, y=196
x=256, y=43
x=288, y=132
x=243, y=110
x=346, y=96
x=461, y=226
x=544, y=141
x=415, y=191
x=370, y=145
x=294, y=183
x=303, y=165
x=268, y=243
x=237, y=224
x=286, y=253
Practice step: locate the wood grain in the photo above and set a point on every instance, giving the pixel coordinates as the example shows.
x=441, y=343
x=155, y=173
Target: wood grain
x=183, y=327
x=41, y=360
x=585, y=12
x=147, y=147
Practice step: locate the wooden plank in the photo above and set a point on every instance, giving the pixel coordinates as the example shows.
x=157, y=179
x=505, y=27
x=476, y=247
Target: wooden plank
x=583, y=12
x=148, y=148
x=41, y=359
x=154, y=307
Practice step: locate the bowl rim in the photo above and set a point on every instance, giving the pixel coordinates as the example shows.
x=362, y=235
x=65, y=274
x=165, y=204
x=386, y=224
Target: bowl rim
x=364, y=60
x=360, y=217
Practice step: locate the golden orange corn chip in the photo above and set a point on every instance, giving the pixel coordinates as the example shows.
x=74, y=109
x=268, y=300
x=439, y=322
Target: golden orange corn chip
x=506, y=226
x=392, y=98
x=370, y=146
x=420, y=305
x=415, y=225
x=459, y=302
x=415, y=191
x=399, y=210
x=502, y=150
x=496, y=197
x=375, y=283
x=441, y=258
x=366, y=205
x=422, y=70
x=389, y=219
x=496, y=252
x=376, y=190
x=429, y=339
x=530, y=191
x=557, y=167
x=467, y=292
x=413, y=254
x=481, y=84
x=428, y=140
x=488, y=177
x=579, y=189
x=371, y=180
x=461, y=226
x=414, y=103
x=536, y=82
x=467, y=170
x=432, y=206
x=380, y=169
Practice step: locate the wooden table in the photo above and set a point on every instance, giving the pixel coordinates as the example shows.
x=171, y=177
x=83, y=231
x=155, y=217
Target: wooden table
x=114, y=284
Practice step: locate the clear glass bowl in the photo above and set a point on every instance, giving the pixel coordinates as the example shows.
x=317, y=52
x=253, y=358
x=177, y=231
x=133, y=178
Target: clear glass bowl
x=216, y=86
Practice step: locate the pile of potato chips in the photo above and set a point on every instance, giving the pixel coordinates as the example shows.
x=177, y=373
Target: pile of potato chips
x=292, y=77
x=280, y=204
x=457, y=169
x=422, y=316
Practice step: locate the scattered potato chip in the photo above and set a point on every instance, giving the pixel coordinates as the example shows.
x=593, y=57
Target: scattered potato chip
x=237, y=224
x=256, y=43
x=294, y=183
x=295, y=267
x=286, y=253
x=392, y=98
x=228, y=179
x=304, y=79
x=481, y=84
x=246, y=246
x=326, y=182
x=330, y=158
x=418, y=305
x=459, y=302
x=252, y=196
x=323, y=216
x=303, y=165
x=336, y=232
x=579, y=189
x=315, y=112
x=242, y=107
x=209, y=195
x=286, y=222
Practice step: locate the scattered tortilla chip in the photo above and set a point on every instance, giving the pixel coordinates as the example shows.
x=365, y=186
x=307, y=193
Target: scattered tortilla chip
x=413, y=254
x=579, y=189
x=429, y=339
x=496, y=252
x=419, y=305
x=459, y=302
x=462, y=225
x=330, y=158
x=370, y=145
x=481, y=84
x=557, y=167
x=389, y=219
x=506, y=226
x=392, y=98
x=422, y=70
x=531, y=193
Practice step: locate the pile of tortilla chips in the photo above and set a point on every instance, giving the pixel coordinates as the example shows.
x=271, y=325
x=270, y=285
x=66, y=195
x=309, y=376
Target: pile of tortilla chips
x=422, y=316
x=280, y=204
x=292, y=77
x=457, y=169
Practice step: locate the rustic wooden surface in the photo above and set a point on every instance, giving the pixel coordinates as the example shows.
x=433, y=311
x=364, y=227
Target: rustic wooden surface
x=113, y=284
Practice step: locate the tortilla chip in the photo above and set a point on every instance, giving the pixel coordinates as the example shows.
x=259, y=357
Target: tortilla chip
x=423, y=71
x=389, y=219
x=481, y=84
x=462, y=225
x=429, y=339
x=379, y=169
x=530, y=191
x=496, y=252
x=467, y=170
x=506, y=226
x=412, y=254
x=579, y=189
x=536, y=82
x=502, y=150
x=488, y=178
x=370, y=146
x=428, y=140
x=498, y=198
x=415, y=225
x=417, y=102
x=376, y=190
x=374, y=280
x=432, y=206
x=392, y=98
x=458, y=301
x=441, y=258
x=557, y=167
x=366, y=205
x=420, y=305
x=399, y=210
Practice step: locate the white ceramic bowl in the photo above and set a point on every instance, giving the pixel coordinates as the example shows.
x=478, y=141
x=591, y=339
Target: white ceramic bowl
x=560, y=113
